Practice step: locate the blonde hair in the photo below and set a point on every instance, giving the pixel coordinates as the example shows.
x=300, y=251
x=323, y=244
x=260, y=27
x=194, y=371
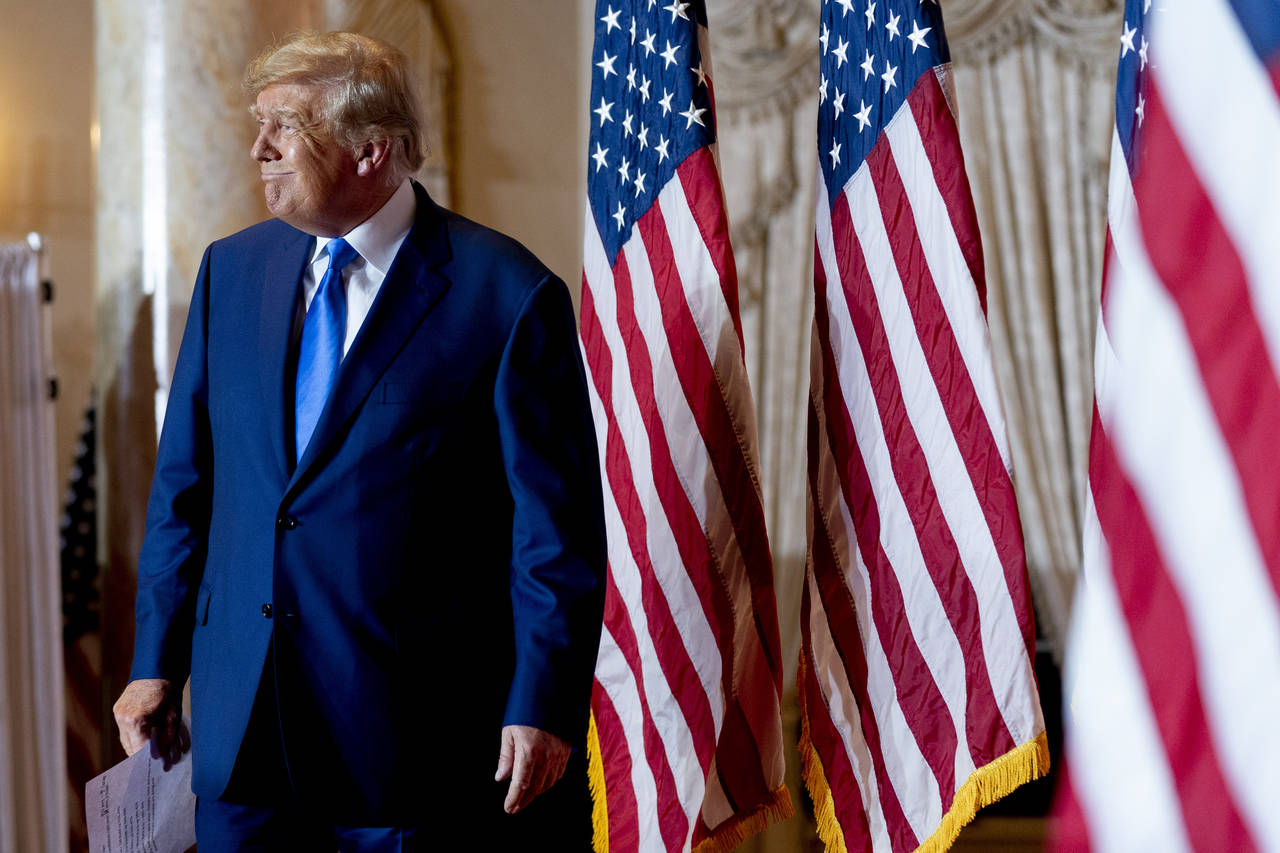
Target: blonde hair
x=366, y=90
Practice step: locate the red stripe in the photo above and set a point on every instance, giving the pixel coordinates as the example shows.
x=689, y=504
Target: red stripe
x=969, y=425
x=615, y=758
x=1211, y=288
x=1161, y=637
x=741, y=768
x=828, y=747
x=985, y=730
x=728, y=458
x=661, y=626
x=701, y=181
x=672, y=821
x=941, y=140
x=919, y=697
x=1068, y=830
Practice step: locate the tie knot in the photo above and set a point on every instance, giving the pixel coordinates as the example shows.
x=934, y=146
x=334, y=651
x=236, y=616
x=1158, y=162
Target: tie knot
x=340, y=253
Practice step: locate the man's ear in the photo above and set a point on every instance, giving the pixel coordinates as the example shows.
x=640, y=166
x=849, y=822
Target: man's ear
x=373, y=157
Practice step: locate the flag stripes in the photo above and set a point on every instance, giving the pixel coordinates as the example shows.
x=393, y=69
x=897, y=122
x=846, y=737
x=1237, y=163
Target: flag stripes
x=919, y=698
x=687, y=742
x=1183, y=554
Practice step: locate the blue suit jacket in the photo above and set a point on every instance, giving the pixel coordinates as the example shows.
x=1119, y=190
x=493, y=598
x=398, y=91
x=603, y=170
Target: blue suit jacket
x=434, y=566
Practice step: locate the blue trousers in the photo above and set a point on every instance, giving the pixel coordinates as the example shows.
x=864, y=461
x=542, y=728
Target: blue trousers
x=260, y=812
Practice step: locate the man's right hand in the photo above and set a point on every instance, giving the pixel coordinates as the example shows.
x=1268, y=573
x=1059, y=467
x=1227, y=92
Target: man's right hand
x=150, y=709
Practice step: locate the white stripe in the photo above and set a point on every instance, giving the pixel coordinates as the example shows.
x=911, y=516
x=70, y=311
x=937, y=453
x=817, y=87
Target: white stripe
x=1119, y=769
x=842, y=709
x=1223, y=106
x=686, y=608
x=664, y=710
x=1008, y=665
x=616, y=680
x=911, y=776
x=691, y=458
x=711, y=315
x=951, y=274
x=1168, y=440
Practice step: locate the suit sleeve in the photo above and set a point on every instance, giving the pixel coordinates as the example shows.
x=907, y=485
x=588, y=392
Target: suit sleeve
x=171, y=561
x=558, y=545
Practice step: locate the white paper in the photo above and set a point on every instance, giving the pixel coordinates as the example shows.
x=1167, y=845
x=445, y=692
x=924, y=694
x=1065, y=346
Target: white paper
x=138, y=807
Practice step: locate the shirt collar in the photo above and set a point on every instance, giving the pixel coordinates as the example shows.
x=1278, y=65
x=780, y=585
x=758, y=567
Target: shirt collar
x=378, y=238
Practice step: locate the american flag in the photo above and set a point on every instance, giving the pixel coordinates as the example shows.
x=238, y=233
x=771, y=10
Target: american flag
x=1174, y=662
x=686, y=742
x=918, y=699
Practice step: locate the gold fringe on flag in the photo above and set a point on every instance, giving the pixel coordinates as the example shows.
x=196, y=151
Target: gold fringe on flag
x=728, y=836
x=985, y=785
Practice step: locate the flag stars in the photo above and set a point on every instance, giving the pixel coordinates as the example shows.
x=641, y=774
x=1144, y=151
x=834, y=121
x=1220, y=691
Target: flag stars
x=631, y=78
x=888, y=76
x=1142, y=54
x=847, y=5
x=603, y=111
x=642, y=136
x=633, y=29
x=892, y=27
x=620, y=216
x=838, y=103
x=916, y=36
x=644, y=90
x=835, y=154
x=863, y=116
x=669, y=55
x=665, y=101
x=647, y=43
x=599, y=156
x=624, y=171
x=1141, y=110
x=640, y=183
x=661, y=148
x=1126, y=39
x=610, y=20
x=841, y=52
x=606, y=64
x=868, y=66
x=871, y=15
x=825, y=38
x=677, y=10
x=822, y=89
x=626, y=124
x=700, y=74
x=692, y=116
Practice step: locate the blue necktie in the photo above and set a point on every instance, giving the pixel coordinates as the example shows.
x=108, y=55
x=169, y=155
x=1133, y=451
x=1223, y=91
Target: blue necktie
x=323, y=332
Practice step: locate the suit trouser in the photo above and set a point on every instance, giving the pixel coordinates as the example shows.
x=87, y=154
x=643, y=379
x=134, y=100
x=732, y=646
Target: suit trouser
x=261, y=813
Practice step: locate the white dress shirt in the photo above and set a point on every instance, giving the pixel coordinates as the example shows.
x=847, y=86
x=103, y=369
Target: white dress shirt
x=377, y=239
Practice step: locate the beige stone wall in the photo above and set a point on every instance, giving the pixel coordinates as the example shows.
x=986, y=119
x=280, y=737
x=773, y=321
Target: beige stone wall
x=520, y=137
x=46, y=185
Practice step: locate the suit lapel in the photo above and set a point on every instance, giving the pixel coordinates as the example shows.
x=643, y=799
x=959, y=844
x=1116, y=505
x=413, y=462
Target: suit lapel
x=282, y=281
x=411, y=289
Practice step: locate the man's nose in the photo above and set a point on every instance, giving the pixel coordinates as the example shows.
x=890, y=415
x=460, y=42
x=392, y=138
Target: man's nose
x=262, y=148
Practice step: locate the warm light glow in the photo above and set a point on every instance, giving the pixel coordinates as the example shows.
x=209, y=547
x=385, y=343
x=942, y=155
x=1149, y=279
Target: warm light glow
x=155, y=226
x=95, y=136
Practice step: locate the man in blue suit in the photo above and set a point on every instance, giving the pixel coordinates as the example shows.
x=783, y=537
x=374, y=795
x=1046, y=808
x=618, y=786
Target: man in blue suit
x=375, y=534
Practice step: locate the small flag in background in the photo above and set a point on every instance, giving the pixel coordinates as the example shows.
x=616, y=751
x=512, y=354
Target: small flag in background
x=918, y=698
x=1173, y=668
x=686, y=741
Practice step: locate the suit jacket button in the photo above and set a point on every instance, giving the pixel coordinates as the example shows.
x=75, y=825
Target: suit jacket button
x=286, y=522
x=266, y=611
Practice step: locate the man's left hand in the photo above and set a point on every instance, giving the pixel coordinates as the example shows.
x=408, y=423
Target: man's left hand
x=534, y=760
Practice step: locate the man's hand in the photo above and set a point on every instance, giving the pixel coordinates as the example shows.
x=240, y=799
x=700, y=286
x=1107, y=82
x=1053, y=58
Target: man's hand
x=151, y=709
x=534, y=760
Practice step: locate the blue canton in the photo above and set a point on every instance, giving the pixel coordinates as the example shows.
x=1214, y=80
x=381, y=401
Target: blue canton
x=872, y=55
x=1134, y=62
x=650, y=107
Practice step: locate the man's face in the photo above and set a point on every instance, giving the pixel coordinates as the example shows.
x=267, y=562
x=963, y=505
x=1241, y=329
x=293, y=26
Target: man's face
x=308, y=178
